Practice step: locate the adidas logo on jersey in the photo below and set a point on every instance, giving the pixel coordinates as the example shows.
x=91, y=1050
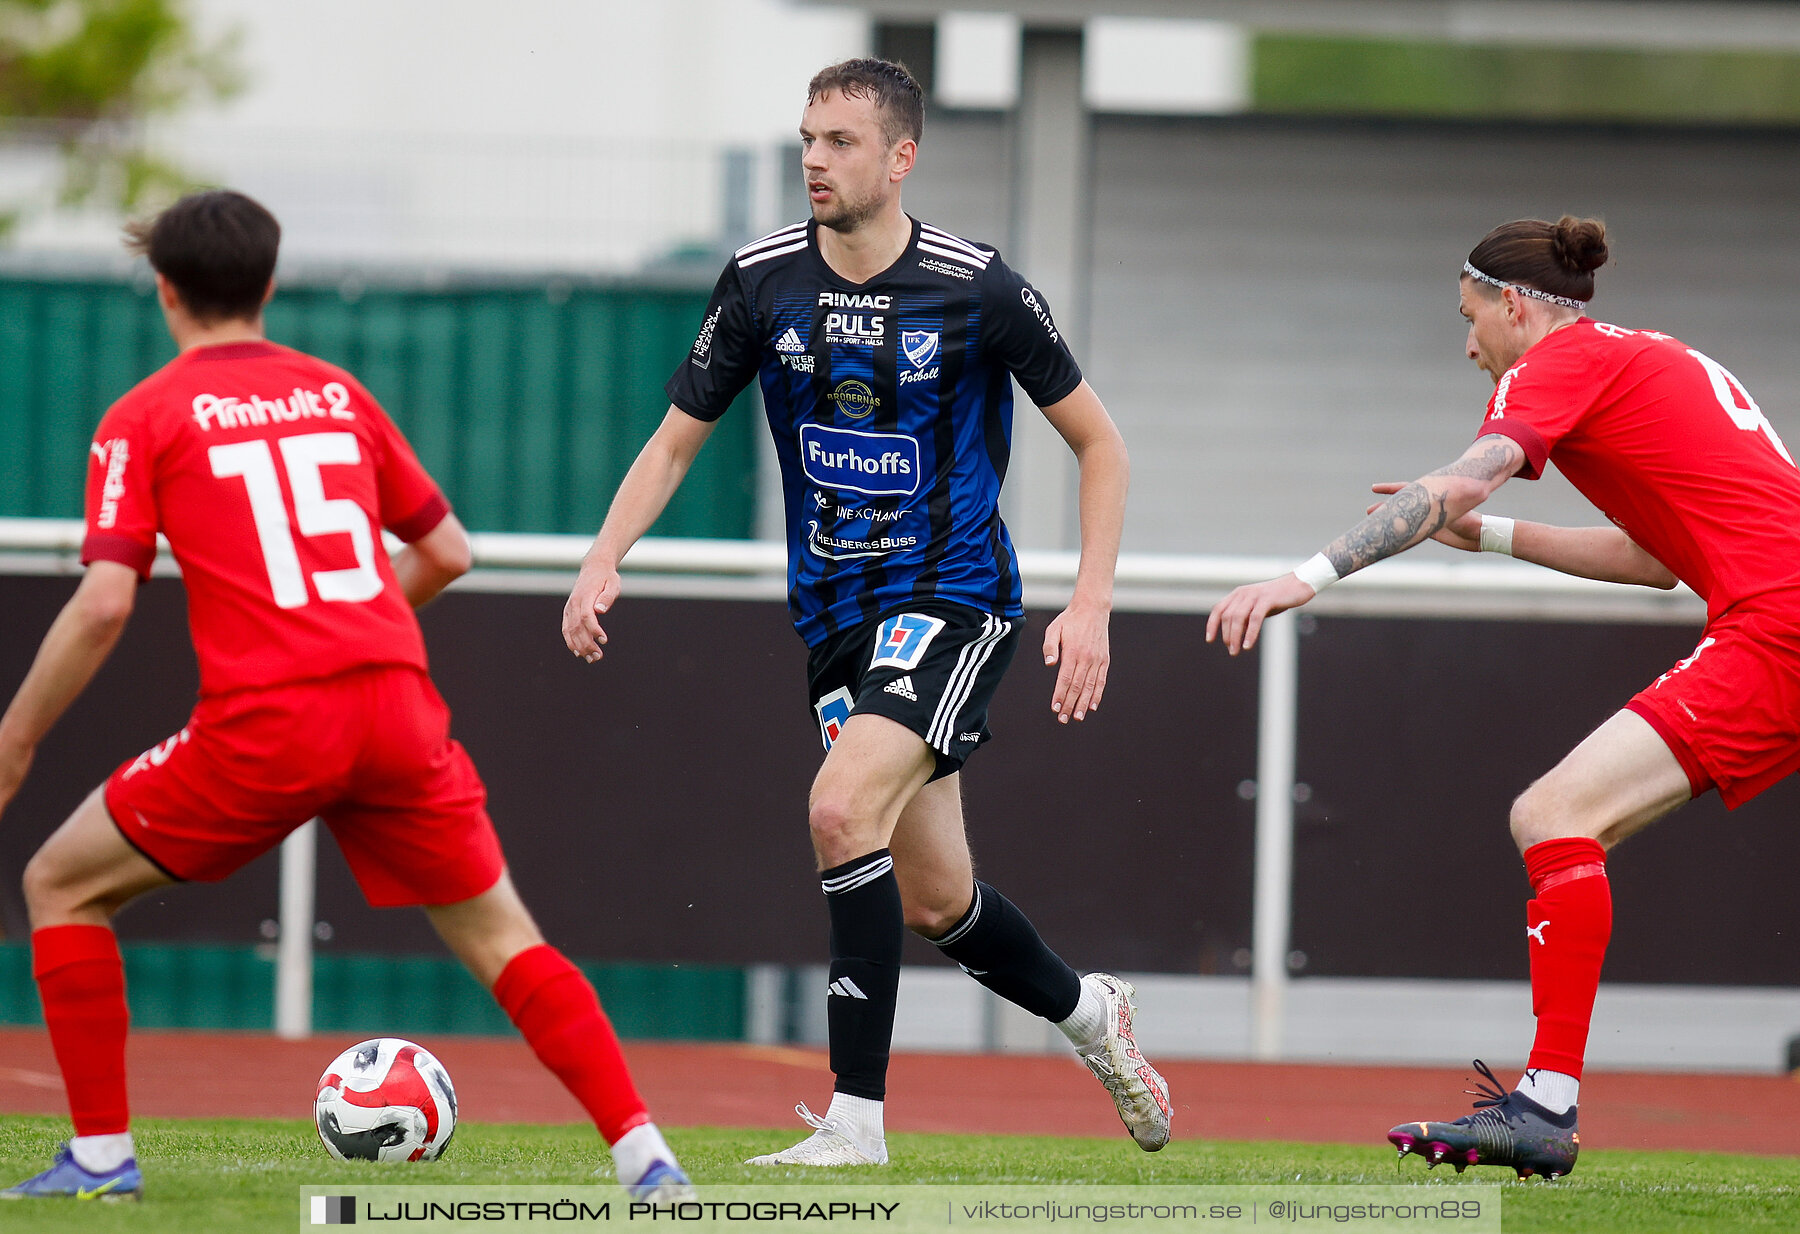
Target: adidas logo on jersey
x=902, y=686
x=843, y=987
x=790, y=342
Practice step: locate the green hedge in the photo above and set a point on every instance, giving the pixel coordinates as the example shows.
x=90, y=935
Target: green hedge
x=1399, y=77
x=526, y=402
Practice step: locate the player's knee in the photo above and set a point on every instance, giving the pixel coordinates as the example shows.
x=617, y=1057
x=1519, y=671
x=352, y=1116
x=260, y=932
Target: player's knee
x=1536, y=817
x=43, y=887
x=931, y=921
x=840, y=830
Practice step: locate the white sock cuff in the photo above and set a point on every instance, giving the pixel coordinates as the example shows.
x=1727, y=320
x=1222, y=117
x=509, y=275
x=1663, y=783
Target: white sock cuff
x=102, y=1154
x=639, y=1149
x=1556, y=1091
x=1086, y=1026
x=861, y=1116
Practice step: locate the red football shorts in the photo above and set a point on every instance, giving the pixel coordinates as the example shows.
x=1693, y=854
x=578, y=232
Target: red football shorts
x=1731, y=711
x=368, y=751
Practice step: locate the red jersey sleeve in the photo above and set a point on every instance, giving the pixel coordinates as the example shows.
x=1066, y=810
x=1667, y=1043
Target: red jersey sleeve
x=121, y=510
x=412, y=505
x=1537, y=402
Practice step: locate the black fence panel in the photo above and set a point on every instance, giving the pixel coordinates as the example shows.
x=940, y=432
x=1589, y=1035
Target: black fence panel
x=653, y=806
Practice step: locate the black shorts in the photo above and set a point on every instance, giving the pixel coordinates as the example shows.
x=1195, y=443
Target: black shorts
x=931, y=667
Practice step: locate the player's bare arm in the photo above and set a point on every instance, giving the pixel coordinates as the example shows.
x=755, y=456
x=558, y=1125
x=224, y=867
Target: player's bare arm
x=1077, y=641
x=640, y=501
x=1604, y=553
x=433, y=561
x=1414, y=513
x=1421, y=509
x=79, y=640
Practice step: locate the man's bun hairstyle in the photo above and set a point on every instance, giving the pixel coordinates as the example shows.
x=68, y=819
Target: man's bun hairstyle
x=1559, y=258
x=886, y=83
x=217, y=248
x=1579, y=244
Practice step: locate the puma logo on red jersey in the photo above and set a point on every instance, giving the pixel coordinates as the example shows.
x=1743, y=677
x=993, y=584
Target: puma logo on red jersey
x=1706, y=642
x=115, y=453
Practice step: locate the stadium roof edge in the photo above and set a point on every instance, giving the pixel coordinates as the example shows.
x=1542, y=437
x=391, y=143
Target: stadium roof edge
x=1688, y=25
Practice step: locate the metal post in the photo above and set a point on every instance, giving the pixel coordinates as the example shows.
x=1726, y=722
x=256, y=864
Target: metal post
x=1277, y=712
x=765, y=1004
x=1050, y=220
x=293, y=950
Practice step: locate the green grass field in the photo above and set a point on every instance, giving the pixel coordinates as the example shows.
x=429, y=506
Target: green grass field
x=244, y=1175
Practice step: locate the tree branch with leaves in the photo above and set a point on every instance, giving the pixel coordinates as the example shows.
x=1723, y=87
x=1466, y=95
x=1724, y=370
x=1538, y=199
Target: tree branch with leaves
x=85, y=76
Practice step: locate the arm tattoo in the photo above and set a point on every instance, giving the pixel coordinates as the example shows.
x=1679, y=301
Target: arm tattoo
x=1492, y=461
x=1410, y=515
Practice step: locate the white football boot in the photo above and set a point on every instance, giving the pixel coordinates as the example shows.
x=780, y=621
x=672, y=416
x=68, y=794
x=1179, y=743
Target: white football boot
x=831, y=1143
x=1139, y=1094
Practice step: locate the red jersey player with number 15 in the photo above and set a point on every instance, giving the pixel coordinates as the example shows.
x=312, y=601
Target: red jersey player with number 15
x=272, y=474
x=1700, y=489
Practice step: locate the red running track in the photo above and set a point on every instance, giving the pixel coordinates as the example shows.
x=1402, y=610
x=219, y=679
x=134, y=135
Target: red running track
x=498, y=1080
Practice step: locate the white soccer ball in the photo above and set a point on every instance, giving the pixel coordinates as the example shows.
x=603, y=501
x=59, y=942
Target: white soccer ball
x=385, y=1100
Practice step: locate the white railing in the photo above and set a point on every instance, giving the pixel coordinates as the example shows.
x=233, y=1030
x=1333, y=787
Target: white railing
x=1412, y=586
x=1161, y=582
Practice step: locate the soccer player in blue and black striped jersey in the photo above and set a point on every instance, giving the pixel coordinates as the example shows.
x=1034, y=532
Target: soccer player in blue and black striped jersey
x=886, y=350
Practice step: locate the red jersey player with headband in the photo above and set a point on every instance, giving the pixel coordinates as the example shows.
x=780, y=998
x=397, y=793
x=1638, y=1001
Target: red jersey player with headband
x=1699, y=489
x=272, y=475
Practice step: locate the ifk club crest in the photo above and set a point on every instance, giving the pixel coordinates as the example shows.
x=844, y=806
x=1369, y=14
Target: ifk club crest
x=920, y=346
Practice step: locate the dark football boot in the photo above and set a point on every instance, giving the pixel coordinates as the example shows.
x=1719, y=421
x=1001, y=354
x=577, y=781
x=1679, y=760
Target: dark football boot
x=1507, y=1129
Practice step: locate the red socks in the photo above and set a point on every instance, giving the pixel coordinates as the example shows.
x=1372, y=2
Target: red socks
x=1567, y=927
x=559, y=1014
x=81, y=982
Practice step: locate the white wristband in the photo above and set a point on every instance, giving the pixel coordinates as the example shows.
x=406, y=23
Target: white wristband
x=1317, y=572
x=1496, y=534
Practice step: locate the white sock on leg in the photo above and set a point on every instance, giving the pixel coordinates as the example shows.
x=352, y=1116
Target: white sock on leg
x=1086, y=1026
x=1554, y=1090
x=860, y=1116
x=639, y=1149
x=102, y=1154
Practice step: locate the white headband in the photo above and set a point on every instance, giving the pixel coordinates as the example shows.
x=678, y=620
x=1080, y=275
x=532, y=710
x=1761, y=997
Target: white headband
x=1534, y=293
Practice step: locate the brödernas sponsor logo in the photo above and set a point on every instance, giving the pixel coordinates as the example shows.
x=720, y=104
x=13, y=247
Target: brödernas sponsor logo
x=855, y=399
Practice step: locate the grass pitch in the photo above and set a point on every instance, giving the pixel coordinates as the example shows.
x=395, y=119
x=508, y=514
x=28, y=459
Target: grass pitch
x=244, y=1174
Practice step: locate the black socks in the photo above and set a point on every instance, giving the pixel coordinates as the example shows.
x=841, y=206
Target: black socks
x=867, y=928
x=994, y=943
x=998, y=946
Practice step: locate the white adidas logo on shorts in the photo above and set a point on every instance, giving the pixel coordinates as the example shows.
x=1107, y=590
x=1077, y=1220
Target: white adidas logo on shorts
x=902, y=686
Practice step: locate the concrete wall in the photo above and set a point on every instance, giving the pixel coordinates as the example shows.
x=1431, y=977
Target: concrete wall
x=1273, y=310
x=1349, y=1020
